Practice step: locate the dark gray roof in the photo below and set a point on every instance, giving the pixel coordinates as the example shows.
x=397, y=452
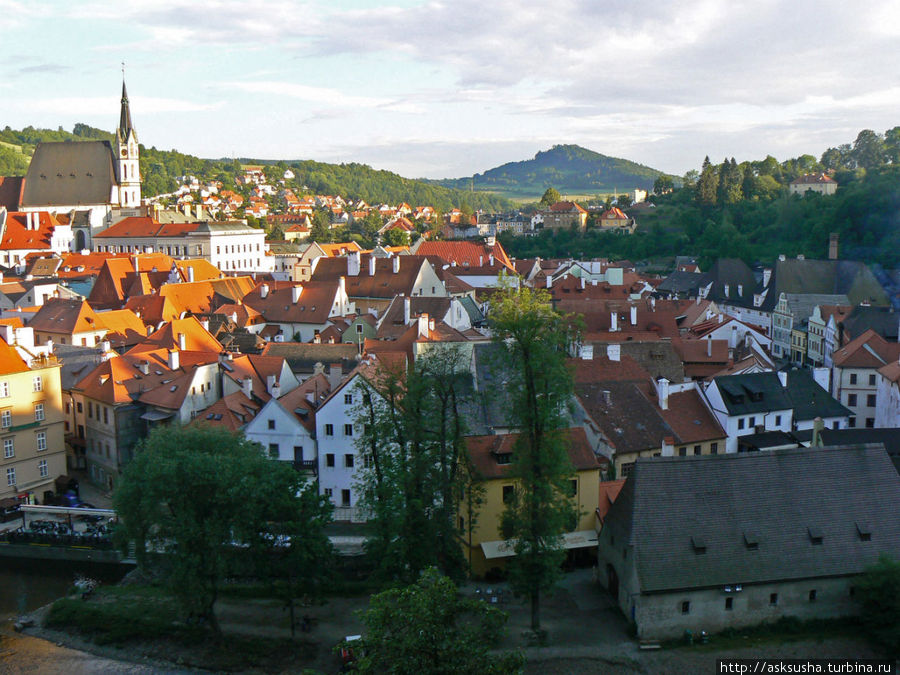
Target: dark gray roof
x=882, y=320
x=828, y=277
x=775, y=498
x=475, y=314
x=302, y=357
x=680, y=283
x=491, y=402
x=737, y=276
x=801, y=305
x=76, y=362
x=809, y=400
x=69, y=174
x=768, y=440
x=752, y=393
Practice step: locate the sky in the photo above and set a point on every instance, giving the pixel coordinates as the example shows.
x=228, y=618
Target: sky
x=444, y=89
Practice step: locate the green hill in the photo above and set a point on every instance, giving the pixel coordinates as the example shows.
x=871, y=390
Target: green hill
x=571, y=169
x=161, y=169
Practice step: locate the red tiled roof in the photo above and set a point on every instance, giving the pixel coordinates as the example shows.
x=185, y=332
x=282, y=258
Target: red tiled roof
x=64, y=316
x=10, y=361
x=566, y=207
x=467, y=253
x=484, y=449
x=17, y=236
x=813, y=178
x=869, y=350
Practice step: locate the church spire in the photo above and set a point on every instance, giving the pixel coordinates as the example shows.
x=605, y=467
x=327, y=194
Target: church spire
x=125, y=116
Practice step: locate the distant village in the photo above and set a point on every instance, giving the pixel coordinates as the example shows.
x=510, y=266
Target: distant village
x=734, y=430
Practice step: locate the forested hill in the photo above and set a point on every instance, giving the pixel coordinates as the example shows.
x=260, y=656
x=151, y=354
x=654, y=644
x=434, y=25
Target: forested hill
x=161, y=169
x=570, y=169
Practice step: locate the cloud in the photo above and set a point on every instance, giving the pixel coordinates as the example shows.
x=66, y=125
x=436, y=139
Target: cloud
x=43, y=68
x=328, y=98
x=90, y=105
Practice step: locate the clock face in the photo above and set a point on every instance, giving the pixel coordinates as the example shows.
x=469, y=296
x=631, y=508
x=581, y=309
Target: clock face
x=124, y=152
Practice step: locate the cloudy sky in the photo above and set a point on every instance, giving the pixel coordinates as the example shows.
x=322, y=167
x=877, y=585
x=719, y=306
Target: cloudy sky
x=448, y=88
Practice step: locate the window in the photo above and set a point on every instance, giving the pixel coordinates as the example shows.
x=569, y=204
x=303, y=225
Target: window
x=345, y=497
x=714, y=448
x=851, y=422
x=573, y=487
x=4, y=389
x=39, y=412
x=751, y=422
x=79, y=407
x=872, y=380
x=43, y=470
x=812, y=595
x=686, y=607
x=682, y=452
x=870, y=400
x=870, y=423
x=626, y=469
x=348, y=461
x=773, y=599
x=729, y=604
x=9, y=448
x=271, y=424
x=42, y=441
x=348, y=430
x=329, y=492
x=509, y=492
x=329, y=459
x=348, y=399
x=696, y=449
x=90, y=409
x=273, y=450
x=852, y=378
x=329, y=430
x=740, y=423
x=6, y=419
x=38, y=383
x=11, y=476
x=851, y=399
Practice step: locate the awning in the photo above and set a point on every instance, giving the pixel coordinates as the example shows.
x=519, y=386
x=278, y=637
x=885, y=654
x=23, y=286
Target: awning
x=156, y=415
x=506, y=548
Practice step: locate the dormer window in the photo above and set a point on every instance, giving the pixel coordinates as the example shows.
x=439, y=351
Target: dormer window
x=815, y=536
x=503, y=457
x=751, y=541
x=699, y=544
x=864, y=531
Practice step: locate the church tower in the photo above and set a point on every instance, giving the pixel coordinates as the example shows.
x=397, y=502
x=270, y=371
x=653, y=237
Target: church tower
x=127, y=157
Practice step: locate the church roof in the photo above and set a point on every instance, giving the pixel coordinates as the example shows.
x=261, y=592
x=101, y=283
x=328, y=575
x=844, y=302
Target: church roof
x=125, y=115
x=70, y=174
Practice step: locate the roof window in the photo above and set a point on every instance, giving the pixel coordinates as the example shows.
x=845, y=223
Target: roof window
x=698, y=543
x=751, y=541
x=815, y=535
x=864, y=531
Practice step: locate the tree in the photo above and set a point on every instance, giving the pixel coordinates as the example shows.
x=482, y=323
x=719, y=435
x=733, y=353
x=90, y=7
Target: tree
x=878, y=592
x=191, y=493
x=414, y=463
x=396, y=237
x=429, y=629
x=868, y=149
x=550, y=197
x=663, y=185
x=533, y=340
x=707, y=185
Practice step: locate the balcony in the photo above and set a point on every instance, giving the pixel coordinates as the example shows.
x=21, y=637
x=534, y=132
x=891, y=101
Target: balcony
x=306, y=466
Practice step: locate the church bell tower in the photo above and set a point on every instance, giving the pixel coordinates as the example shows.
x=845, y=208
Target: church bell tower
x=127, y=157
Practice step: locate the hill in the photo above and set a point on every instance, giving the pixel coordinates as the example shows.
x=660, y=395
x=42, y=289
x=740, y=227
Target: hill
x=571, y=169
x=161, y=170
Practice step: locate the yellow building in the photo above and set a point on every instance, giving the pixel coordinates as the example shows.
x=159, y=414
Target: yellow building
x=492, y=457
x=31, y=424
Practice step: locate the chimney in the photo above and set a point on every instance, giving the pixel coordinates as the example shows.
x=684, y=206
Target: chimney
x=342, y=289
x=633, y=315
x=431, y=325
x=137, y=265
x=145, y=367
x=653, y=304
x=270, y=384
x=248, y=387
x=205, y=324
x=173, y=360
x=833, y=246
x=481, y=261
x=727, y=291
x=104, y=346
x=818, y=428
x=782, y=377
x=614, y=352
x=371, y=265
x=276, y=391
x=423, y=325
x=587, y=352
x=353, y=264
x=190, y=274
x=709, y=348
x=767, y=276
x=549, y=281
x=491, y=259
x=582, y=283
x=662, y=388
x=396, y=261
x=406, y=310
x=781, y=257
x=182, y=341
x=741, y=290
x=613, y=322
x=295, y=293
x=264, y=291
x=233, y=318
x=334, y=375
x=668, y=446
x=732, y=341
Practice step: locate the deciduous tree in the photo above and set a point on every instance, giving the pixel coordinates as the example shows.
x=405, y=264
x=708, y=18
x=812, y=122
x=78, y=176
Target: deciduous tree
x=534, y=339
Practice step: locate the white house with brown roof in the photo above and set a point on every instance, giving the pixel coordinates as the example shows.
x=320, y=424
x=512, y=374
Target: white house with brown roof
x=301, y=311
x=813, y=182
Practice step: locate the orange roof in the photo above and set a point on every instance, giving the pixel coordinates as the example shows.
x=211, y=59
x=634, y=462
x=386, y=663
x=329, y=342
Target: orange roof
x=609, y=490
x=813, y=178
x=152, y=309
x=122, y=325
x=335, y=250
x=197, y=338
x=484, y=450
x=109, y=290
x=614, y=213
x=198, y=297
x=64, y=316
x=869, y=350
x=567, y=207
x=232, y=412
x=145, y=226
x=17, y=235
x=466, y=253
x=10, y=361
